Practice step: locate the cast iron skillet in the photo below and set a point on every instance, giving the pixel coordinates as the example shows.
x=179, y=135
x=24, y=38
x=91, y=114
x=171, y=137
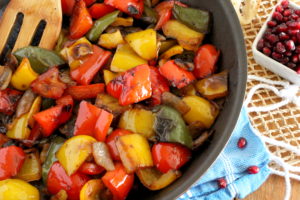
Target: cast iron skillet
x=227, y=36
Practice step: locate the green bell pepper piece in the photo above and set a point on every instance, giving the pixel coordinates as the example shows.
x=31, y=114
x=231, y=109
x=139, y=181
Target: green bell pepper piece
x=56, y=143
x=170, y=127
x=40, y=59
x=100, y=25
x=149, y=15
x=197, y=19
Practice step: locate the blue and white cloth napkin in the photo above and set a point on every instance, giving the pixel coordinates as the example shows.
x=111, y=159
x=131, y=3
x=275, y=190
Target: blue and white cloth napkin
x=232, y=165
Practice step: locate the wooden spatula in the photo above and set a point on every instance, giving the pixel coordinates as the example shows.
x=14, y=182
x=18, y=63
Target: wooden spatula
x=34, y=12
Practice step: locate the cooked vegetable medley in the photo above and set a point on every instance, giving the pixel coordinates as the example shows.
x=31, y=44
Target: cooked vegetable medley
x=128, y=90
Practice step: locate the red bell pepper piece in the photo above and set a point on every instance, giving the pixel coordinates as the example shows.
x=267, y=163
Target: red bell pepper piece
x=89, y=2
x=49, y=85
x=102, y=125
x=111, y=142
x=169, y=156
x=177, y=76
x=85, y=91
x=92, y=121
x=134, y=8
x=205, y=60
x=67, y=6
x=99, y=10
x=133, y=86
x=50, y=119
x=81, y=20
x=85, y=73
x=159, y=85
x=59, y=180
x=90, y=168
x=164, y=10
x=118, y=182
x=11, y=161
x=9, y=100
x=35, y=133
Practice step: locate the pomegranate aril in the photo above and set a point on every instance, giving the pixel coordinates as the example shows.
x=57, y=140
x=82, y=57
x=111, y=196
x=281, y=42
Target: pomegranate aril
x=288, y=53
x=290, y=45
x=277, y=16
x=272, y=24
x=282, y=28
x=298, y=70
x=293, y=25
x=280, y=48
x=268, y=44
x=284, y=60
x=260, y=44
x=287, y=12
x=295, y=59
x=297, y=50
x=283, y=36
x=294, y=38
x=242, y=142
x=272, y=38
x=291, y=65
x=222, y=183
x=298, y=37
x=267, y=51
x=285, y=19
x=297, y=12
x=294, y=17
x=279, y=8
x=292, y=32
x=253, y=170
x=285, y=3
x=277, y=56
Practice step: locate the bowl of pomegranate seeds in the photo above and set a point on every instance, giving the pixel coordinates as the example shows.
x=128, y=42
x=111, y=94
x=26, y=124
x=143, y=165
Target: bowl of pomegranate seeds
x=277, y=45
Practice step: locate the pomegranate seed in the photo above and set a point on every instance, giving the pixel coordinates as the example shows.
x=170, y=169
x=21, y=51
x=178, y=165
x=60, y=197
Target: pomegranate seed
x=222, y=183
x=285, y=3
x=267, y=51
x=277, y=56
x=253, y=170
x=267, y=44
x=293, y=32
x=260, y=44
x=294, y=38
x=284, y=60
x=288, y=53
x=295, y=59
x=298, y=37
x=242, y=142
x=293, y=25
x=294, y=16
x=272, y=38
x=285, y=19
x=282, y=28
x=280, y=48
x=287, y=12
x=272, y=24
x=277, y=16
x=298, y=70
x=297, y=12
x=279, y=8
x=290, y=45
x=283, y=36
x=291, y=65
x=297, y=50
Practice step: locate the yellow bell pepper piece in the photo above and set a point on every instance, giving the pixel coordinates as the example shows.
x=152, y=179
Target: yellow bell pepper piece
x=74, y=152
x=23, y=76
x=120, y=21
x=31, y=169
x=108, y=76
x=14, y=189
x=201, y=111
x=131, y=120
x=20, y=129
x=91, y=190
x=172, y=52
x=111, y=40
x=125, y=58
x=134, y=151
x=165, y=45
x=144, y=43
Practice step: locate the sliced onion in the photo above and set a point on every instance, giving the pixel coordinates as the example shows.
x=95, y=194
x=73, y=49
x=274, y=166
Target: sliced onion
x=174, y=101
x=102, y=156
x=201, y=139
x=25, y=103
x=5, y=77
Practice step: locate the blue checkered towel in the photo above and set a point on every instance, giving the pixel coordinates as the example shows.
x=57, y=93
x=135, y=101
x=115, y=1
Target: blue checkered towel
x=232, y=165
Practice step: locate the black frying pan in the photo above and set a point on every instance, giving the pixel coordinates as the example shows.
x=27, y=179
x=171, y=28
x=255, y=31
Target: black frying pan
x=227, y=36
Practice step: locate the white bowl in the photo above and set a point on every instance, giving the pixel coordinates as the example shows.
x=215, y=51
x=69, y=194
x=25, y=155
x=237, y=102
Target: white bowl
x=269, y=62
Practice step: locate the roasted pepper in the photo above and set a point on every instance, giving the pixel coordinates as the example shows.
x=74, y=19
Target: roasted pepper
x=56, y=143
x=20, y=126
x=100, y=25
x=120, y=21
x=125, y=58
x=108, y=76
x=111, y=40
x=31, y=169
x=170, y=127
x=81, y=92
x=14, y=189
x=91, y=168
x=196, y=19
x=85, y=72
x=159, y=85
x=23, y=76
x=150, y=15
x=175, y=50
x=91, y=190
x=11, y=161
x=98, y=10
x=134, y=8
x=9, y=100
x=40, y=59
x=131, y=87
x=81, y=20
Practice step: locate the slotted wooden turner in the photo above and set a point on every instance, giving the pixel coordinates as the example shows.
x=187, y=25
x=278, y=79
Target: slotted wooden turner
x=34, y=12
